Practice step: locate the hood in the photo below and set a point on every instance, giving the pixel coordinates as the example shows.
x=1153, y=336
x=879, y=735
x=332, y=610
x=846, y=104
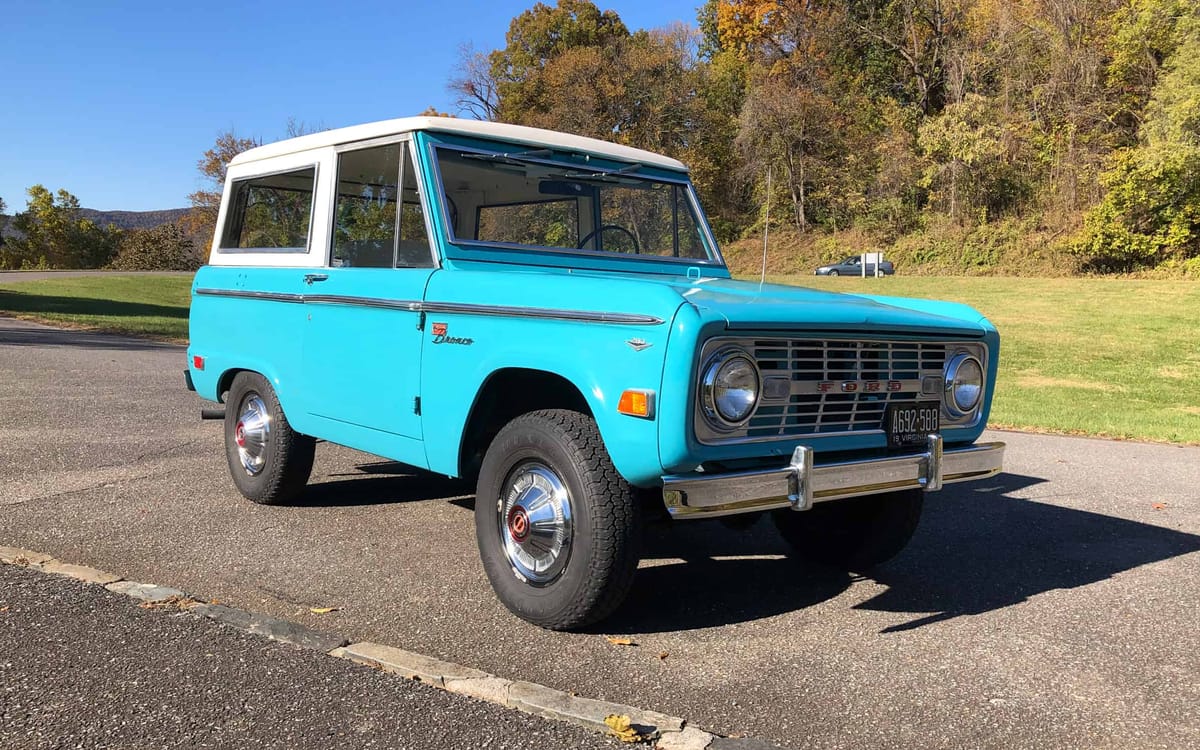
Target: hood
x=747, y=305
x=738, y=305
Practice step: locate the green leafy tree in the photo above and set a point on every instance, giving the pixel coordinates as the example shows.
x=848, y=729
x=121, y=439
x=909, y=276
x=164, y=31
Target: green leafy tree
x=967, y=148
x=537, y=37
x=1150, y=213
x=53, y=235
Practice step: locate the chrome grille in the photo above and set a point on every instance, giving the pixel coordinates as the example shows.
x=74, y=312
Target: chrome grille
x=804, y=384
x=807, y=410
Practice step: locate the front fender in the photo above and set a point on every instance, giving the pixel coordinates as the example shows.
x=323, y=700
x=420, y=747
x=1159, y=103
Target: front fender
x=596, y=358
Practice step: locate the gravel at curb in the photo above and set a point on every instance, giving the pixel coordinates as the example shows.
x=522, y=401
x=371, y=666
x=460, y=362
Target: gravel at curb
x=668, y=732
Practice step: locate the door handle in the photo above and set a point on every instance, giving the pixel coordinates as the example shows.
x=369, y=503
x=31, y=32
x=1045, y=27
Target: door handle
x=309, y=278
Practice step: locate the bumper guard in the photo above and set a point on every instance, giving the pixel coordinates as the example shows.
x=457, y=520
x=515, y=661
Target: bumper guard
x=801, y=483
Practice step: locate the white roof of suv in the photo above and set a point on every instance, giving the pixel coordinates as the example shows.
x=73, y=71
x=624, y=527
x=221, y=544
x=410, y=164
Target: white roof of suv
x=475, y=128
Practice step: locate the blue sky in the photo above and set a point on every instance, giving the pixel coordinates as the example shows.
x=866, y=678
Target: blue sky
x=116, y=101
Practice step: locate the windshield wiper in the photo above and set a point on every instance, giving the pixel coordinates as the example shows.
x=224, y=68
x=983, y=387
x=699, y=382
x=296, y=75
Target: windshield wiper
x=600, y=174
x=521, y=157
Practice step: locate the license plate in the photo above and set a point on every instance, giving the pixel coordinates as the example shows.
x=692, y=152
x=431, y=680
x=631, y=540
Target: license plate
x=910, y=424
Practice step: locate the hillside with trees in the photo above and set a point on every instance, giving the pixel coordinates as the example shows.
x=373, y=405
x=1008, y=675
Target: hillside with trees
x=1026, y=137
x=55, y=232
x=960, y=136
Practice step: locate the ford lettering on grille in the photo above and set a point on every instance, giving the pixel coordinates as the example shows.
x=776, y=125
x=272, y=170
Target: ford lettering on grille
x=830, y=386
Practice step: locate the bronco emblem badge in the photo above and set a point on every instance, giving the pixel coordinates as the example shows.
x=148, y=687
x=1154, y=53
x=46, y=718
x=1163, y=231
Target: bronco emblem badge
x=441, y=335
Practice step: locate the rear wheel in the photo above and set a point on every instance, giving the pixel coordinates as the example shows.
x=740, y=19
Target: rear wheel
x=856, y=534
x=556, y=524
x=268, y=460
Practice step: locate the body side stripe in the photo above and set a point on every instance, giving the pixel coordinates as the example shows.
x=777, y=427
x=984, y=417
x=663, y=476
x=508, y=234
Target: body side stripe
x=585, y=316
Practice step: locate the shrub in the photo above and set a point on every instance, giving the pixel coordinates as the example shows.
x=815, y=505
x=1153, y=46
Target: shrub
x=163, y=248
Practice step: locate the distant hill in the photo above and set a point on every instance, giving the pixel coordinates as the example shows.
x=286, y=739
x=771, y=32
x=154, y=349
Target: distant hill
x=134, y=219
x=121, y=219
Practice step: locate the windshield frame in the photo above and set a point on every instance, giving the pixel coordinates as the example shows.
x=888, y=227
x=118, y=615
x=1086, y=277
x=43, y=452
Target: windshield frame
x=470, y=249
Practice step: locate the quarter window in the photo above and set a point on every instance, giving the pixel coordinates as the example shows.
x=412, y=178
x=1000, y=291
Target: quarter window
x=271, y=213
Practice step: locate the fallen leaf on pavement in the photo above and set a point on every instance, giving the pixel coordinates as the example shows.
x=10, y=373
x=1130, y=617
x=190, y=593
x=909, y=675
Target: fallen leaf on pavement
x=1158, y=506
x=663, y=655
x=323, y=610
x=619, y=641
x=621, y=728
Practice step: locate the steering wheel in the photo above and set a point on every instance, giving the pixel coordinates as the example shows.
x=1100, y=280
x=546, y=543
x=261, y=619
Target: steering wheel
x=605, y=228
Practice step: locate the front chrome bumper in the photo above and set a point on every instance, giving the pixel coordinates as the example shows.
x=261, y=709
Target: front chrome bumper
x=801, y=483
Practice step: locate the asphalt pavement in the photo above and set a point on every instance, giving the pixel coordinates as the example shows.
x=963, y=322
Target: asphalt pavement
x=81, y=667
x=1054, y=606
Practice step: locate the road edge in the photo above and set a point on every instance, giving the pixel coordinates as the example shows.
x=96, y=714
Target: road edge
x=665, y=731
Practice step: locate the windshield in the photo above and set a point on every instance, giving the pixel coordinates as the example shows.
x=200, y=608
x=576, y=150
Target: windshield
x=526, y=199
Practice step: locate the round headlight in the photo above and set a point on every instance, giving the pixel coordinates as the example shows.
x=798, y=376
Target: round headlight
x=730, y=388
x=964, y=384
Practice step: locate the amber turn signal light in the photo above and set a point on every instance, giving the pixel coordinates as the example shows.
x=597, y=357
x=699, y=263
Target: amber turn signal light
x=637, y=403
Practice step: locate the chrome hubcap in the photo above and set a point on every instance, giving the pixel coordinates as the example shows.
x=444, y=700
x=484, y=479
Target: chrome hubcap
x=534, y=520
x=251, y=434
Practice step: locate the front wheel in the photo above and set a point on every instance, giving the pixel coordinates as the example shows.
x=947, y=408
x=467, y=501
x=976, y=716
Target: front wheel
x=268, y=460
x=856, y=534
x=556, y=524
x=834, y=273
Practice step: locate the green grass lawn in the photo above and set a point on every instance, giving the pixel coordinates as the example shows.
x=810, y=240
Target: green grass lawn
x=153, y=306
x=1112, y=357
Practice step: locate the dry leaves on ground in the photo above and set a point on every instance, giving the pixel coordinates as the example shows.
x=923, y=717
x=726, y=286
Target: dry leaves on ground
x=614, y=640
x=621, y=727
x=323, y=610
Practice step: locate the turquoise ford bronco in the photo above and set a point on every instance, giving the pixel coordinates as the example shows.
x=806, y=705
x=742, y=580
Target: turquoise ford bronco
x=550, y=316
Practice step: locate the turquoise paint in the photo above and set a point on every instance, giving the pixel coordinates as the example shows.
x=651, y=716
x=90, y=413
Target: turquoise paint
x=351, y=350
x=245, y=333
x=349, y=374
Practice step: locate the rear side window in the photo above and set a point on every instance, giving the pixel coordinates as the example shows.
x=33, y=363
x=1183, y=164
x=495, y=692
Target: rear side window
x=270, y=213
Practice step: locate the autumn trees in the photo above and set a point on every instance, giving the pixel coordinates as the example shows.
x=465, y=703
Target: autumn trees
x=52, y=234
x=891, y=117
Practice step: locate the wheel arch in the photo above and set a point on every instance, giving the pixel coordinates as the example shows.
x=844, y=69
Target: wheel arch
x=225, y=381
x=506, y=394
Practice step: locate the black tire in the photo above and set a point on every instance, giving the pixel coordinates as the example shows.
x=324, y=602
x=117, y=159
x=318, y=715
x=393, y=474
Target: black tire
x=855, y=534
x=286, y=455
x=834, y=273
x=602, y=556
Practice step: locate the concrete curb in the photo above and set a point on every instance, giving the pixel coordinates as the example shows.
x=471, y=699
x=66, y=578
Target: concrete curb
x=147, y=592
x=523, y=696
x=18, y=556
x=271, y=627
x=668, y=732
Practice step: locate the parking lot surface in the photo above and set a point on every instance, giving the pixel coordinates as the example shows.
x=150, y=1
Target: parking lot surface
x=1054, y=606
x=85, y=668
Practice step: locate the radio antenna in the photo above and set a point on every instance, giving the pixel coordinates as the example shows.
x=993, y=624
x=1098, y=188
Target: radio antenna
x=766, y=229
